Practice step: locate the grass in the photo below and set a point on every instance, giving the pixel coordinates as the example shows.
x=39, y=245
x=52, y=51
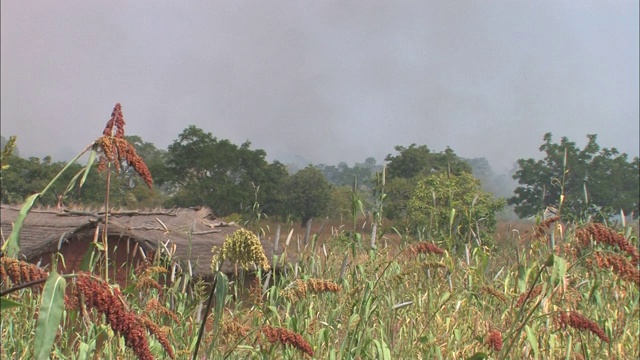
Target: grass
x=551, y=291
x=392, y=303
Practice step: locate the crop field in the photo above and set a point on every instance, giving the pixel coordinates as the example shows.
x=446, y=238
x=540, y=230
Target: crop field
x=427, y=272
x=341, y=299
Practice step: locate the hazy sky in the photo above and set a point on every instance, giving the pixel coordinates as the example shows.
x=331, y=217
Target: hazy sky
x=326, y=80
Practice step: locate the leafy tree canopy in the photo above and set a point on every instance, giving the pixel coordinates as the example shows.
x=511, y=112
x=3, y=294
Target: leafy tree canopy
x=594, y=180
x=24, y=177
x=343, y=175
x=309, y=194
x=415, y=160
x=454, y=207
x=205, y=170
x=410, y=165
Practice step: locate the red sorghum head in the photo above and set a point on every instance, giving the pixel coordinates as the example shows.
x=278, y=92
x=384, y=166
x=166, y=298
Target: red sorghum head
x=580, y=322
x=287, y=337
x=494, y=340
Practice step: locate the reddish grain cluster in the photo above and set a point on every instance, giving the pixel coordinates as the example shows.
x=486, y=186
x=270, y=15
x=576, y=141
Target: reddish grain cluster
x=580, y=322
x=232, y=330
x=154, y=305
x=255, y=292
x=287, y=338
x=541, y=230
x=117, y=150
x=159, y=333
x=599, y=233
x=98, y=295
x=116, y=121
x=145, y=278
x=494, y=340
x=20, y=271
x=524, y=298
x=320, y=286
x=425, y=247
x=491, y=291
x=300, y=288
x=619, y=264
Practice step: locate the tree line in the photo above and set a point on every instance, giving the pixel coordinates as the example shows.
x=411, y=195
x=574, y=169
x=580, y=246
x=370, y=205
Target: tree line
x=438, y=191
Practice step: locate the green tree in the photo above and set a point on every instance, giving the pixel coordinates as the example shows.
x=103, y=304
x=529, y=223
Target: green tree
x=341, y=203
x=454, y=207
x=416, y=160
x=343, y=175
x=399, y=191
x=24, y=177
x=309, y=193
x=154, y=158
x=272, y=195
x=205, y=170
x=592, y=181
x=411, y=164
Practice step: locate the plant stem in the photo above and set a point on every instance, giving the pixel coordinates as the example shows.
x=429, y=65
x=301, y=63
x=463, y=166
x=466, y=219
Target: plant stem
x=204, y=319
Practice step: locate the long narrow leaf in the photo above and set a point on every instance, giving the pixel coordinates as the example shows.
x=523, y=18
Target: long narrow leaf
x=92, y=159
x=222, y=285
x=55, y=178
x=12, y=246
x=8, y=304
x=50, y=315
x=72, y=183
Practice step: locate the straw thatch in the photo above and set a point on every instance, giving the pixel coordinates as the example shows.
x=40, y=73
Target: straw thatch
x=193, y=232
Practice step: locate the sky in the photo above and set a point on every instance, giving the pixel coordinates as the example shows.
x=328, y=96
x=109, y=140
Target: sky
x=326, y=81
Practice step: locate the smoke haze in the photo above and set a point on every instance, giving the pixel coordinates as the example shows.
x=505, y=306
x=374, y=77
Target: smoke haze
x=328, y=81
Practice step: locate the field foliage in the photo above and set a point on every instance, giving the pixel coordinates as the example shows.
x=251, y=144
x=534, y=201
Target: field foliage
x=451, y=285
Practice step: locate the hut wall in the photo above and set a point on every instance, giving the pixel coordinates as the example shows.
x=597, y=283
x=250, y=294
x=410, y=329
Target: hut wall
x=121, y=258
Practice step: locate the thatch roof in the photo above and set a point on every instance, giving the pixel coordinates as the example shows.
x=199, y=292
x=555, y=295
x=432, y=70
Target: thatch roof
x=193, y=231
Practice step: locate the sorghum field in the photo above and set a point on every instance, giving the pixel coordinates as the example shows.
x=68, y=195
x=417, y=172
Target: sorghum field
x=405, y=299
x=359, y=290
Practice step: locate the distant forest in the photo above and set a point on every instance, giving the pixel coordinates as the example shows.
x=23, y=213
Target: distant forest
x=234, y=180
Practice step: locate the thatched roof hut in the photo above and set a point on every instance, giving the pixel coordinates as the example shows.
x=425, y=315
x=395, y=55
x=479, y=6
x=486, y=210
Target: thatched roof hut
x=191, y=232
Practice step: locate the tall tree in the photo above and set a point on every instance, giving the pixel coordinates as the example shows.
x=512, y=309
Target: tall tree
x=205, y=170
x=309, y=193
x=414, y=160
x=272, y=195
x=577, y=182
x=343, y=175
x=411, y=164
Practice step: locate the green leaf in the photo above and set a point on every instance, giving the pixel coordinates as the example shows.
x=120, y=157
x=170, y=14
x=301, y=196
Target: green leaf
x=550, y=261
x=382, y=349
x=72, y=183
x=12, y=247
x=222, y=285
x=8, y=304
x=50, y=315
x=92, y=159
x=85, y=351
x=478, y=356
x=559, y=270
x=522, y=278
x=531, y=338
